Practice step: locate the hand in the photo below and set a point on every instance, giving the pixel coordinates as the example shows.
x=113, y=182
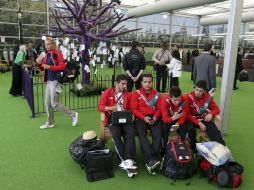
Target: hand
x=176, y=116
x=174, y=127
x=45, y=66
x=202, y=126
x=153, y=120
x=135, y=79
x=147, y=120
x=208, y=117
x=114, y=108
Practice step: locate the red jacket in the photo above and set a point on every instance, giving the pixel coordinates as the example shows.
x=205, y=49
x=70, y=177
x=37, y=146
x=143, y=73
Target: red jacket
x=108, y=99
x=139, y=107
x=58, y=60
x=168, y=109
x=193, y=110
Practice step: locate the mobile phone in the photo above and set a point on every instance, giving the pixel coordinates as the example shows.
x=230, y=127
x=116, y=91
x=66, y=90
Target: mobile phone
x=173, y=127
x=213, y=90
x=180, y=111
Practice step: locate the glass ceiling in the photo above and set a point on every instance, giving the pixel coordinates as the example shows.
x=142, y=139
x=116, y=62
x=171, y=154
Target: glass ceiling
x=205, y=10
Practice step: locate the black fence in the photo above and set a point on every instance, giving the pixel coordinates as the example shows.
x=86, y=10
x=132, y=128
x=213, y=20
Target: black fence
x=72, y=96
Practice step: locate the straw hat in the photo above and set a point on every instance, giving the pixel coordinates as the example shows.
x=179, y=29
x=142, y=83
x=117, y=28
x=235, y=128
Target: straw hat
x=88, y=135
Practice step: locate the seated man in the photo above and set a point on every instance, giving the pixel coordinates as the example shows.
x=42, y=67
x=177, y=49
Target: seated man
x=174, y=109
x=145, y=107
x=113, y=100
x=202, y=109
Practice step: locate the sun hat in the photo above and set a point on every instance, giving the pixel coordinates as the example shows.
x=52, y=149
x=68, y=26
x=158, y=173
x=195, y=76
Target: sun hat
x=88, y=135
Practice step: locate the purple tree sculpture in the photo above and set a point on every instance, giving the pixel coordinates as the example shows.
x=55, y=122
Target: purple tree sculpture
x=92, y=22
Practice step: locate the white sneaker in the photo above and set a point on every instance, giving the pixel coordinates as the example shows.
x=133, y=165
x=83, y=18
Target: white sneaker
x=74, y=119
x=127, y=165
x=47, y=126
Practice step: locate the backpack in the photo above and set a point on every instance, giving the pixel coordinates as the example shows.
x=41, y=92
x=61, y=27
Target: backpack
x=227, y=175
x=179, y=162
x=79, y=148
x=243, y=76
x=70, y=73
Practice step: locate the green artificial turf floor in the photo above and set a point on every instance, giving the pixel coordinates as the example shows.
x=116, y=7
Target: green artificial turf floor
x=35, y=159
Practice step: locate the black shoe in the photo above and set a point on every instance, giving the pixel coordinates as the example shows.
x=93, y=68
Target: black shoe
x=235, y=88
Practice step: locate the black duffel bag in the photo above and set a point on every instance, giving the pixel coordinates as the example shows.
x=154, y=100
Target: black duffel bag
x=79, y=148
x=99, y=165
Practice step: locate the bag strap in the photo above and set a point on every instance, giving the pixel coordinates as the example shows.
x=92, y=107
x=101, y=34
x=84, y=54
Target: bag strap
x=146, y=101
x=203, y=107
x=142, y=96
x=118, y=100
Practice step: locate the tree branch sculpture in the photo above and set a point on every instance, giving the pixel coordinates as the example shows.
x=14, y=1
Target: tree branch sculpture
x=93, y=22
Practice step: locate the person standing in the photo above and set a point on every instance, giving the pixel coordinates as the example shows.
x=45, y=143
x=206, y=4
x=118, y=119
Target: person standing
x=204, y=68
x=117, y=99
x=188, y=57
x=161, y=58
x=52, y=63
x=238, y=67
x=145, y=106
x=134, y=65
x=175, y=68
x=16, y=86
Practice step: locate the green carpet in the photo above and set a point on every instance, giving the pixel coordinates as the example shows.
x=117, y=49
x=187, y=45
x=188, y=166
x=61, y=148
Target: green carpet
x=34, y=159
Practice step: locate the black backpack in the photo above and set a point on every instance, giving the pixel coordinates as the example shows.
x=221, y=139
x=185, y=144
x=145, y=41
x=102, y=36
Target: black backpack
x=179, y=162
x=243, y=76
x=227, y=175
x=79, y=148
x=70, y=73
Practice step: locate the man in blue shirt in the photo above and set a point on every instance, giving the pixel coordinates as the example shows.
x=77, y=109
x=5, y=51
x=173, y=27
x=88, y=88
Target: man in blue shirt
x=52, y=63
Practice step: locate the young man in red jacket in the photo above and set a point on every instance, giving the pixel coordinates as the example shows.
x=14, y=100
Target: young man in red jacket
x=202, y=109
x=174, y=109
x=145, y=106
x=52, y=63
x=113, y=100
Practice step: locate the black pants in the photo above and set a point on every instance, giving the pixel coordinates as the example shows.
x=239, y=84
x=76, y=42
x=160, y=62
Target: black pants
x=182, y=132
x=174, y=81
x=161, y=75
x=236, y=78
x=211, y=130
x=126, y=148
x=130, y=84
x=16, y=86
x=150, y=151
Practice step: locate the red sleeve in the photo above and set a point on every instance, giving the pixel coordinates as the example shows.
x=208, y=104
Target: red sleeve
x=128, y=101
x=134, y=106
x=182, y=119
x=60, y=63
x=103, y=101
x=164, y=111
x=192, y=119
x=42, y=63
x=157, y=113
x=214, y=108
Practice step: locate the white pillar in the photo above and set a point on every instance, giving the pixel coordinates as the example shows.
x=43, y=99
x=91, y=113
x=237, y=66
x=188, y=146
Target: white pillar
x=230, y=61
x=48, y=16
x=170, y=31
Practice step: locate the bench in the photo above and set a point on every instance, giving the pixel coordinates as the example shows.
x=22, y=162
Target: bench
x=106, y=135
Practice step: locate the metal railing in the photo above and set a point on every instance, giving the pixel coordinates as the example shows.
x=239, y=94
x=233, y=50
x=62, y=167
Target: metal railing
x=35, y=87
